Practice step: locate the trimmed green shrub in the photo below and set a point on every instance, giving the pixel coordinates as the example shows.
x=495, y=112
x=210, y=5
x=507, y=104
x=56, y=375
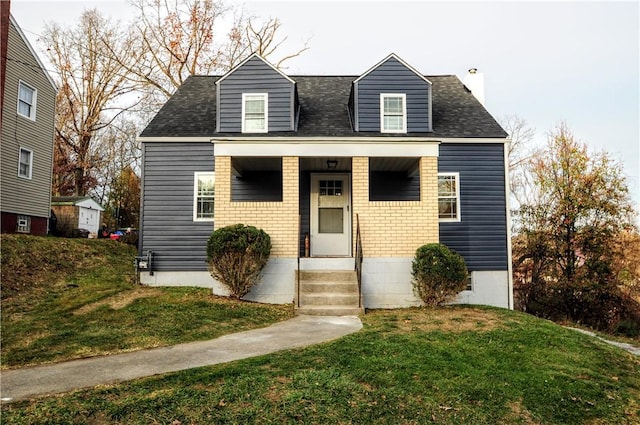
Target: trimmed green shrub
x=236, y=255
x=439, y=274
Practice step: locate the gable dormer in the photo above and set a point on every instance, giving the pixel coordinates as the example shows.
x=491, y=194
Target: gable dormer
x=391, y=97
x=255, y=97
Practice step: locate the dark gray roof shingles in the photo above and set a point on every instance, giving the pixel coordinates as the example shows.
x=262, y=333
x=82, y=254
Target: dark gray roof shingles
x=323, y=99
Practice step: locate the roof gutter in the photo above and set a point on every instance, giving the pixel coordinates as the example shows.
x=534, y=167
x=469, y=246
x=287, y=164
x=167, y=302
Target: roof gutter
x=322, y=139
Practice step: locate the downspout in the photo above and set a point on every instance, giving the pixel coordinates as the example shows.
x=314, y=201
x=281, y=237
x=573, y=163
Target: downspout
x=507, y=146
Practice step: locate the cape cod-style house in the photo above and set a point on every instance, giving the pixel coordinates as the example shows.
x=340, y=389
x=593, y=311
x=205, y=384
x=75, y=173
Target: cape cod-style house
x=343, y=172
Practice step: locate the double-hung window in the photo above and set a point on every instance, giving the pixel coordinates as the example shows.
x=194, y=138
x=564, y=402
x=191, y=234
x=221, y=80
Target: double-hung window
x=449, y=196
x=27, y=101
x=393, y=113
x=255, y=112
x=203, y=196
x=25, y=163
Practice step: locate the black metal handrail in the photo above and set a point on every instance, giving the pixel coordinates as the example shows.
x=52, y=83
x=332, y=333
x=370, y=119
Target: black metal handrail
x=359, y=257
x=298, y=271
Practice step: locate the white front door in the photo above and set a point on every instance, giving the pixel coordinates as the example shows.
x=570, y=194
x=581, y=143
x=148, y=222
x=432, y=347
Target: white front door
x=330, y=215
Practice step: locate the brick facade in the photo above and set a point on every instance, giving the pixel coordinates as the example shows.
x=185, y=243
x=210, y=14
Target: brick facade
x=388, y=228
x=396, y=228
x=278, y=219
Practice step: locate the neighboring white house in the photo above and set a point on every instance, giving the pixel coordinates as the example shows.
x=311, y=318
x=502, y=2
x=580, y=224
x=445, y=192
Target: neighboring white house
x=77, y=212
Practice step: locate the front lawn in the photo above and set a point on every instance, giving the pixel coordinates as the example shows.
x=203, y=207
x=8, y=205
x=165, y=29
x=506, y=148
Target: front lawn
x=457, y=365
x=72, y=298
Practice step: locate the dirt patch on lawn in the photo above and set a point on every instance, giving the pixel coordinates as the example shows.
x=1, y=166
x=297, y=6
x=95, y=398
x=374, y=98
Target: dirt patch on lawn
x=517, y=412
x=450, y=320
x=120, y=300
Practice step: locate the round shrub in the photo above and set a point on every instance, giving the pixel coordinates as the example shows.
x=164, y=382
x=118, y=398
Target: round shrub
x=236, y=255
x=439, y=274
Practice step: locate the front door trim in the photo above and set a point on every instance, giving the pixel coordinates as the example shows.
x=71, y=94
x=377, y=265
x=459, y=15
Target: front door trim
x=330, y=244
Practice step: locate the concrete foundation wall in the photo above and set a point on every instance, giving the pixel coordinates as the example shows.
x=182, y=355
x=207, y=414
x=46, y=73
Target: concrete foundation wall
x=386, y=283
x=276, y=286
x=489, y=288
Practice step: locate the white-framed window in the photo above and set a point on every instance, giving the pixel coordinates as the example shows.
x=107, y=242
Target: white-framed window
x=203, y=196
x=23, y=224
x=449, y=196
x=27, y=97
x=393, y=112
x=255, y=112
x=25, y=163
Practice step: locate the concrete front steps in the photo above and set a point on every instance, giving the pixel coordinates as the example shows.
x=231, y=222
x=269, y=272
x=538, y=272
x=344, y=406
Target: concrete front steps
x=329, y=293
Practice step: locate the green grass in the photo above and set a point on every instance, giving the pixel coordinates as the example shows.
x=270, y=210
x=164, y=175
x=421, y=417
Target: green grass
x=73, y=298
x=459, y=365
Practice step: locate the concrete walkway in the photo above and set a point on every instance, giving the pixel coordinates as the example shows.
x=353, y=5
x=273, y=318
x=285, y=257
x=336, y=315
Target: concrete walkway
x=628, y=347
x=300, y=331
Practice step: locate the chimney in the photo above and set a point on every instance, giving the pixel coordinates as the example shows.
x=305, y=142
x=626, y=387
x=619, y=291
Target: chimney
x=474, y=81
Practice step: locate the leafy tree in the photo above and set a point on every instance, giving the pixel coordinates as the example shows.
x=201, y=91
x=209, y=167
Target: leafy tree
x=565, y=250
x=123, y=209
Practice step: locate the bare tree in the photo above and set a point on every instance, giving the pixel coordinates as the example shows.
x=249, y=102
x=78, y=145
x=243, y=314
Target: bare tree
x=249, y=36
x=521, y=150
x=179, y=38
x=93, y=86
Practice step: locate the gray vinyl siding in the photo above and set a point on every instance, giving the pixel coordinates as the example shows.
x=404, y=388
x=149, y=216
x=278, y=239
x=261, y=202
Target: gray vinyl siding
x=393, y=77
x=393, y=186
x=19, y=195
x=257, y=186
x=167, y=226
x=254, y=76
x=481, y=236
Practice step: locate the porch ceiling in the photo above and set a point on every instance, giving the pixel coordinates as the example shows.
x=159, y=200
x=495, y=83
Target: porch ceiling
x=320, y=164
x=241, y=164
x=393, y=164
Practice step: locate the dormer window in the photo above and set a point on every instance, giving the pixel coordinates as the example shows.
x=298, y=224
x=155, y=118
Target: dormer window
x=255, y=112
x=393, y=113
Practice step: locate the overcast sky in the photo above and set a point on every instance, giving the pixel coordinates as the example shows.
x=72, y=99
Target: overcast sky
x=547, y=62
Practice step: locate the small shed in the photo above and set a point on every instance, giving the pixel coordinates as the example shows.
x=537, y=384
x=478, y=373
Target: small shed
x=76, y=212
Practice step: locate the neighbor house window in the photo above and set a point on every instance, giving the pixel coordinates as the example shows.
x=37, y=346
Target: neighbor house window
x=204, y=196
x=23, y=224
x=449, y=196
x=393, y=113
x=255, y=112
x=27, y=101
x=25, y=163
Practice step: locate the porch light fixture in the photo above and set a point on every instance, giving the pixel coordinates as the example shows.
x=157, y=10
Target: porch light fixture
x=332, y=164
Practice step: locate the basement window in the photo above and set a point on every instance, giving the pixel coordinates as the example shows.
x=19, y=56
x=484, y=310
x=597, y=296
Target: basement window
x=23, y=224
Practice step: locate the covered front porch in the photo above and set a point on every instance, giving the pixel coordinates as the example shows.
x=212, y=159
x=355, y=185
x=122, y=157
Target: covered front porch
x=308, y=204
